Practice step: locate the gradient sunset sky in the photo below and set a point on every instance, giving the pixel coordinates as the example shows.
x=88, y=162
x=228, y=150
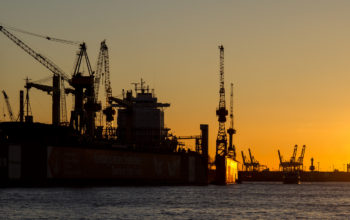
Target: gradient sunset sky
x=288, y=60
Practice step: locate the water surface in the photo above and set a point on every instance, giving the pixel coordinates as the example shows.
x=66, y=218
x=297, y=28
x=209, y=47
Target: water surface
x=243, y=201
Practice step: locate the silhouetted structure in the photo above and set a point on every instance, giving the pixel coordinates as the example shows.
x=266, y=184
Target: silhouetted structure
x=226, y=166
x=102, y=71
x=140, y=151
x=252, y=164
x=231, y=131
x=291, y=169
x=8, y=105
x=312, y=167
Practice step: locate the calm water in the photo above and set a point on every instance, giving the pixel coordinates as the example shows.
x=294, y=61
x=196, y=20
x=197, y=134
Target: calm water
x=244, y=201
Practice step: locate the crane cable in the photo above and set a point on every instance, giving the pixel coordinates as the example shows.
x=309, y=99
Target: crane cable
x=42, y=36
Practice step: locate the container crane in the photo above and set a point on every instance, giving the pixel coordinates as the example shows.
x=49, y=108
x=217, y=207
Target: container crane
x=301, y=157
x=244, y=160
x=253, y=164
x=9, y=109
x=292, y=168
x=292, y=159
x=293, y=164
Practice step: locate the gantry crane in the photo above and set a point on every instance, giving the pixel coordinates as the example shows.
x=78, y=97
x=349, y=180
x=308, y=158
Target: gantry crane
x=301, y=157
x=221, y=112
x=292, y=159
x=293, y=164
x=9, y=109
x=231, y=131
x=255, y=164
x=245, y=163
x=252, y=164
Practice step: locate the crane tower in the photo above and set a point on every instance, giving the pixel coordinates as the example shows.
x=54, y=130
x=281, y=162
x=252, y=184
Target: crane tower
x=221, y=112
x=231, y=131
x=102, y=70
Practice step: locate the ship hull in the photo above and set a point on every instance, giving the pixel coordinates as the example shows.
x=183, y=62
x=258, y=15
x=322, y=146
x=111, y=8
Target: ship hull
x=45, y=155
x=60, y=165
x=226, y=171
x=291, y=178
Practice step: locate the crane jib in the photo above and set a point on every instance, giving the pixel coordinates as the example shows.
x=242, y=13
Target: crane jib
x=43, y=60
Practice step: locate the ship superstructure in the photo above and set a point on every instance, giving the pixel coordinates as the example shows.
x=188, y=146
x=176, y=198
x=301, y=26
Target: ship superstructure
x=141, y=120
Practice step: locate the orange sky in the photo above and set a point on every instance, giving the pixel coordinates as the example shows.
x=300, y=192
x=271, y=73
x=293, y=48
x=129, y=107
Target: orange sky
x=287, y=59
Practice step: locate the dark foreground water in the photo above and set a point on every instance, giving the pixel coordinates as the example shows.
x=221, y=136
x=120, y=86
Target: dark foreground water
x=244, y=201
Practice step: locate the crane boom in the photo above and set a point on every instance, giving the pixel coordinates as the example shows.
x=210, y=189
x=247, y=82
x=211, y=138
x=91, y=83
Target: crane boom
x=251, y=156
x=98, y=72
x=9, y=109
x=108, y=88
x=40, y=58
x=292, y=159
x=46, y=88
x=301, y=158
x=243, y=158
x=102, y=68
x=280, y=157
x=43, y=36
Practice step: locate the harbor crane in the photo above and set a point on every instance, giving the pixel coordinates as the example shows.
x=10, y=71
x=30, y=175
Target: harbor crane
x=231, y=131
x=85, y=105
x=292, y=159
x=9, y=109
x=102, y=72
x=301, y=157
x=245, y=162
x=83, y=116
x=293, y=164
x=252, y=164
x=255, y=164
x=225, y=161
x=221, y=112
x=58, y=100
